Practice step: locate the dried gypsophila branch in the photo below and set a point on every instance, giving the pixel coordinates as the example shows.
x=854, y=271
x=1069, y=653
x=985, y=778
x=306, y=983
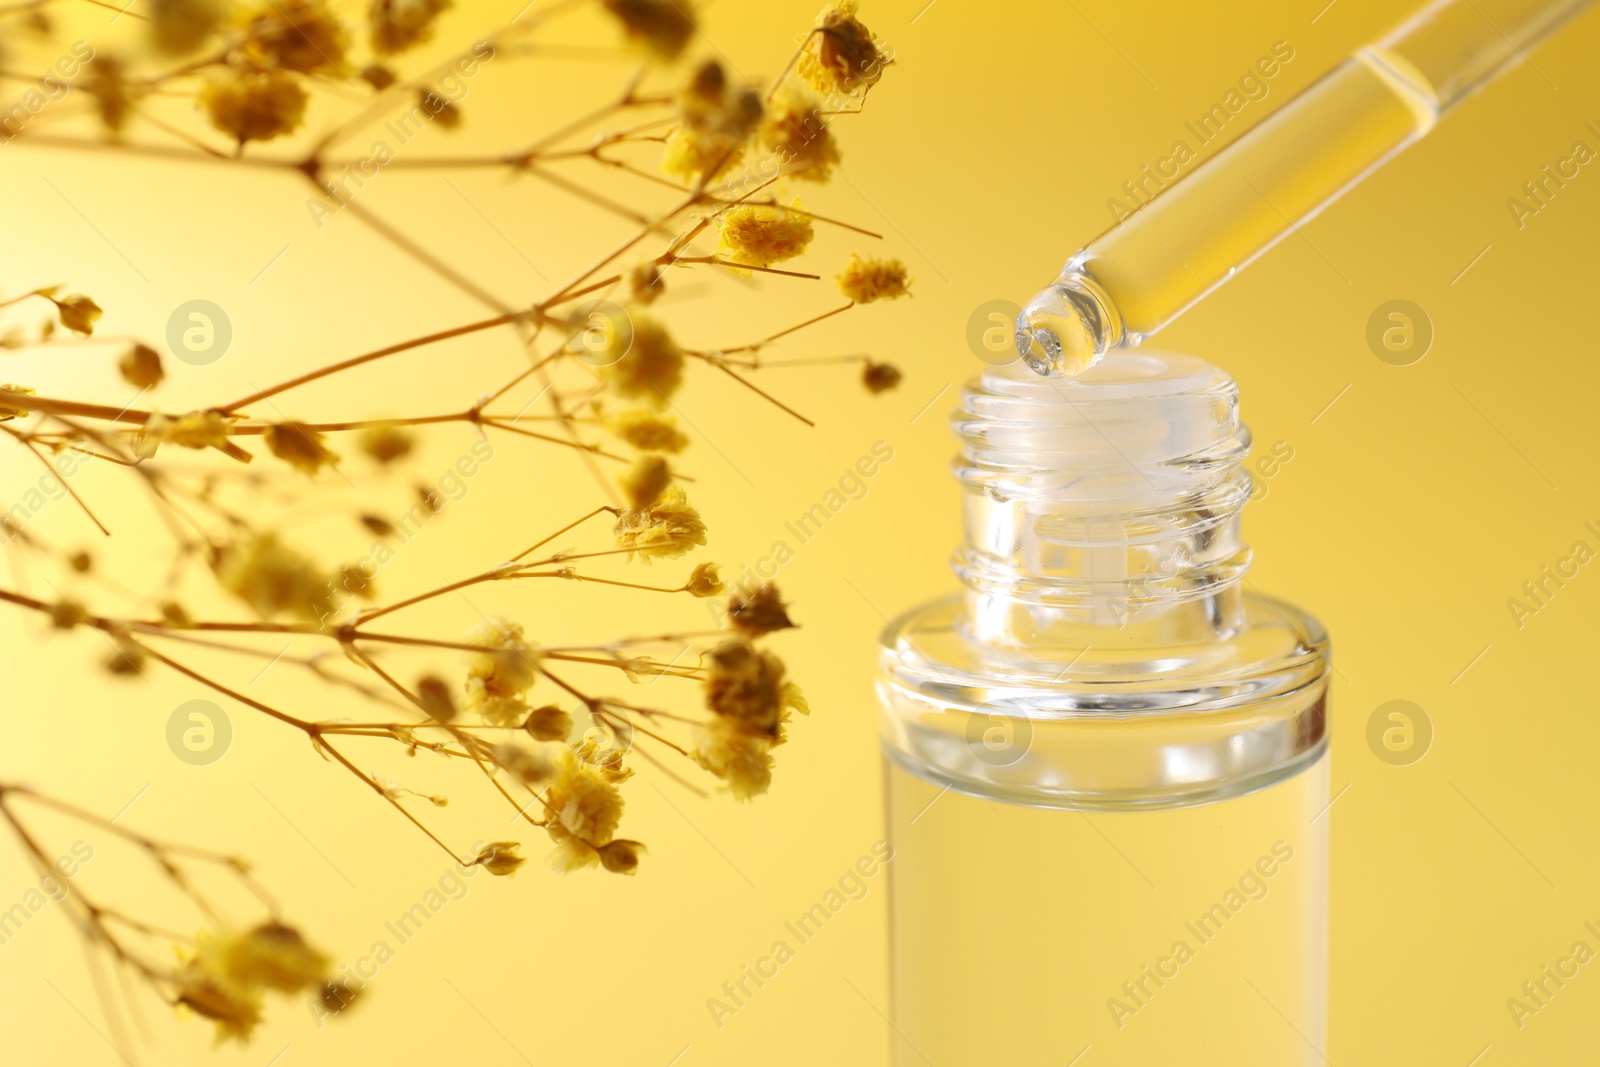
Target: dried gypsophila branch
x=257, y=89
x=715, y=121
x=220, y=973
x=503, y=666
x=745, y=688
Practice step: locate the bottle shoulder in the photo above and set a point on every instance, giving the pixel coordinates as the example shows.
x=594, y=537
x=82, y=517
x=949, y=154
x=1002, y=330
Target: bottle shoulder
x=1118, y=725
x=1108, y=669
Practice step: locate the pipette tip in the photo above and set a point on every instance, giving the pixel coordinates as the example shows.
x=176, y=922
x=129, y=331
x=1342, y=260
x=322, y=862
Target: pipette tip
x=1059, y=333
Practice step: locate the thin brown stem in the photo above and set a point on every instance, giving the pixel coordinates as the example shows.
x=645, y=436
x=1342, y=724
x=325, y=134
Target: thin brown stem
x=754, y=388
x=569, y=526
x=40, y=456
x=593, y=450
x=380, y=353
x=281, y=716
x=384, y=793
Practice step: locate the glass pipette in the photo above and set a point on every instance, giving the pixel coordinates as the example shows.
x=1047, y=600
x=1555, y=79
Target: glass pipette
x=1205, y=226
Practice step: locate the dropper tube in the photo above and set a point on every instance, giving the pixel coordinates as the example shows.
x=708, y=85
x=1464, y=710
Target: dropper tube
x=1205, y=226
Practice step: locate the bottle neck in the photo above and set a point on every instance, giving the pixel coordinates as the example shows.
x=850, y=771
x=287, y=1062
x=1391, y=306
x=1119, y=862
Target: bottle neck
x=1103, y=510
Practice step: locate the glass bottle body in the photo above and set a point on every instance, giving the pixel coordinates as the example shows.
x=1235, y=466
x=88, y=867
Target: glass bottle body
x=1105, y=762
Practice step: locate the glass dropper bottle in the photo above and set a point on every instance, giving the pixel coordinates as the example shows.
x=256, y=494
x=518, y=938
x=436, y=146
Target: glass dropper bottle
x=1205, y=226
x=1105, y=756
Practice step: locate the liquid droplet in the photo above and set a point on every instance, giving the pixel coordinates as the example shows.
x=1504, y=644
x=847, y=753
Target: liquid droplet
x=1057, y=333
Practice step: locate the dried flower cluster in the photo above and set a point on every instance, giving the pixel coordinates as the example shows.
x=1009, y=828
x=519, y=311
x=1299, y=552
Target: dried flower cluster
x=509, y=701
x=224, y=977
x=223, y=972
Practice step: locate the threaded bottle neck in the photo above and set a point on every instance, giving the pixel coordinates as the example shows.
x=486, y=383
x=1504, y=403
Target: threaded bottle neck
x=1103, y=509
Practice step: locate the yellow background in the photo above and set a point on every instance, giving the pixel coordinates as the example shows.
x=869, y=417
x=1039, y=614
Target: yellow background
x=1414, y=507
